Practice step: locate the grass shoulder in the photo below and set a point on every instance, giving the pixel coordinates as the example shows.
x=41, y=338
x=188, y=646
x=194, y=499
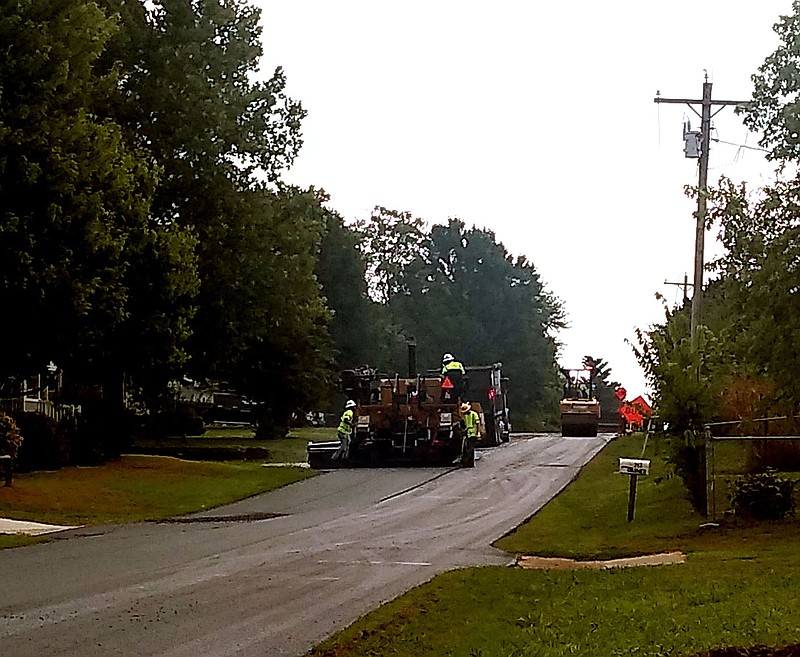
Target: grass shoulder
x=135, y=488
x=737, y=587
x=236, y=443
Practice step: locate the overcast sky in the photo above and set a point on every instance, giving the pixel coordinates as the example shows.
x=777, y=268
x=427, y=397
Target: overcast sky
x=535, y=120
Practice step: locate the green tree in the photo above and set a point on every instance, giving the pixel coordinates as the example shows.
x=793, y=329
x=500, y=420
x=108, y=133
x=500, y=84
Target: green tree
x=761, y=232
x=749, y=331
x=270, y=331
x=390, y=241
x=151, y=346
x=341, y=270
x=605, y=387
x=190, y=95
x=74, y=198
x=774, y=110
x=688, y=382
x=464, y=293
x=759, y=291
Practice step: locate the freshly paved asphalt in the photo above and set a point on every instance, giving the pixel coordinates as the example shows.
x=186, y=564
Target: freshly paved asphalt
x=277, y=573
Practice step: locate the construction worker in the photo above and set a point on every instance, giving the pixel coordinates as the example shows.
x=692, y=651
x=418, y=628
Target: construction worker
x=453, y=378
x=344, y=431
x=469, y=422
x=449, y=364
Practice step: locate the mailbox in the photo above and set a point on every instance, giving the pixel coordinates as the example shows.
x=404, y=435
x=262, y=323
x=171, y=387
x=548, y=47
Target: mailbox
x=634, y=466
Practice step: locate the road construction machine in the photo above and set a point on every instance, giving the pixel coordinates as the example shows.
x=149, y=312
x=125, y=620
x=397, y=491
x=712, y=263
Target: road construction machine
x=579, y=408
x=414, y=420
x=487, y=389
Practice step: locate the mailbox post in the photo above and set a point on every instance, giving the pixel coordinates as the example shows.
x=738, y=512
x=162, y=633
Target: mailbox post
x=633, y=468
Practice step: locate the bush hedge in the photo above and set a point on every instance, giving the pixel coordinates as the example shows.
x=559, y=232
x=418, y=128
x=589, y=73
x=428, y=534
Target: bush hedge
x=762, y=496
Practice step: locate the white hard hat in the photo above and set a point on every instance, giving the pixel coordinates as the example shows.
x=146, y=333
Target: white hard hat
x=447, y=358
x=349, y=404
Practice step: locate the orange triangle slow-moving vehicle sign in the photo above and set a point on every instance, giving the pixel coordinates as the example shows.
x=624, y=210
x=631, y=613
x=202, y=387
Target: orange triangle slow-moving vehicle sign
x=447, y=384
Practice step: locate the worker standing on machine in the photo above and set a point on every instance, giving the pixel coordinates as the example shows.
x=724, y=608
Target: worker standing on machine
x=344, y=431
x=453, y=379
x=469, y=423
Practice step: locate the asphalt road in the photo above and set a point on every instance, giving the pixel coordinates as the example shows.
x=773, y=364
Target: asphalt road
x=277, y=573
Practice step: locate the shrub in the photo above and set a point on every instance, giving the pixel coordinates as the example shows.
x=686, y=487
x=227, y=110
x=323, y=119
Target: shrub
x=104, y=431
x=180, y=422
x=783, y=455
x=46, y=445
x=762, y=496
x=10, y=436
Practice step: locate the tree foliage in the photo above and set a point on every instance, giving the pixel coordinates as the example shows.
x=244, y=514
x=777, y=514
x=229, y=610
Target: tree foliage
x=390, y=242
x=774, y=110
x=687, y=380
x=356, y=320
x=188, y=94
x=747, y=361
x=76, y=232
x=143, y=214
x=10, y=436
x=605, y=387
x=269, y=332
x=760, y=274
x=458, y=290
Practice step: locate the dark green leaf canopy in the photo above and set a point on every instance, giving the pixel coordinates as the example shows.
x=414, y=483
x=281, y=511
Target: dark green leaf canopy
x=75, y=197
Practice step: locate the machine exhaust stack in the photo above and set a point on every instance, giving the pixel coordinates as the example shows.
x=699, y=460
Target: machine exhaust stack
x=412, y=359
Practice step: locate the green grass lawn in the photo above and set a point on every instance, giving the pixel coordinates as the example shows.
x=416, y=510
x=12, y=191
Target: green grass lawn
x=134, y=488
x=738, y=587
x=139, y=487
x=291, y=449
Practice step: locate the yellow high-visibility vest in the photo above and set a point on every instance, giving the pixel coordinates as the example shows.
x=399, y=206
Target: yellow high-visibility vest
x=453, y=365
x=471, y=421
x=346, y=423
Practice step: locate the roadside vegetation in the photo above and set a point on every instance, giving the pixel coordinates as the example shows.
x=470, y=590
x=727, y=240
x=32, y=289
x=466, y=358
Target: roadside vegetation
x=743, y=360
x=236, y=443
x=737, y=587
x=169, y=247
x=141, y=487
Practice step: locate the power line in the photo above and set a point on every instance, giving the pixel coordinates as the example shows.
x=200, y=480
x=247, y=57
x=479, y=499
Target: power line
x=730, y=143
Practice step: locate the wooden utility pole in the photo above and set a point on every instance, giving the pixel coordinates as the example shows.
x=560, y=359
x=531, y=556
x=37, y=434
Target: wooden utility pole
x=700, y=232
x=685, y=285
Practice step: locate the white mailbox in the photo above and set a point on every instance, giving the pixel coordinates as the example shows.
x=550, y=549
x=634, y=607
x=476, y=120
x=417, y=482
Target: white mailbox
x=634, y=466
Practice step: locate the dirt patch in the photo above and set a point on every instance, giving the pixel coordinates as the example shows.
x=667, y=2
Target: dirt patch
x=557, y=563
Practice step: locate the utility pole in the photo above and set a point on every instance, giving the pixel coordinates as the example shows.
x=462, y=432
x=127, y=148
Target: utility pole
x=700, y=232
x=685, y=285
